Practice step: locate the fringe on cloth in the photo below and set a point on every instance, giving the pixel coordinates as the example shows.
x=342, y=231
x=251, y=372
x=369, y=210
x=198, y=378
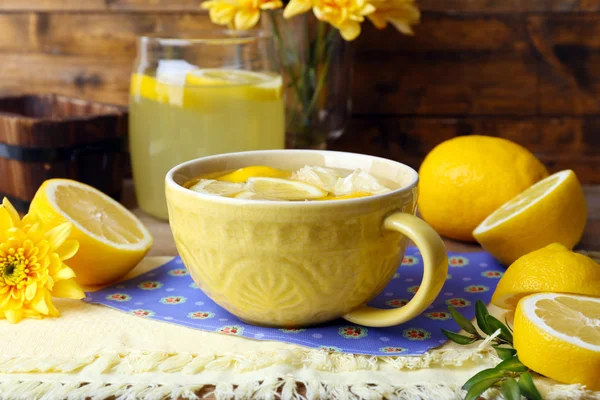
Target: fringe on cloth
x=279, y=387
x=269, y=389
x=186, y=363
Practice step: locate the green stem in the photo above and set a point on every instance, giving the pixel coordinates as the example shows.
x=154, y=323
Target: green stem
x=301, y=81
x=281, y=41
x=321, y=53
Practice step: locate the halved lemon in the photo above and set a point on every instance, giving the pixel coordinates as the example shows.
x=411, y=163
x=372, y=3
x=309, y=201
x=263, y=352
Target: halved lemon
x=284, y=189
x=243, y=174
x=111, y=239
x=554, y=210
x=211, y=186
x=553, y=268
x=558, y=335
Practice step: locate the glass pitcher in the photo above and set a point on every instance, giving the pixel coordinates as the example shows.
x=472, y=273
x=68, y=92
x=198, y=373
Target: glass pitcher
x=197, y=97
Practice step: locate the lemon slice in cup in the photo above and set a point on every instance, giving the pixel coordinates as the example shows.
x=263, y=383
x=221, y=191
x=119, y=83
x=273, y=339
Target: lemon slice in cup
x=248, y=195
x=322, y=177
x=218, y=188
x=111, y=239
x=284, y=189
x=243, y=174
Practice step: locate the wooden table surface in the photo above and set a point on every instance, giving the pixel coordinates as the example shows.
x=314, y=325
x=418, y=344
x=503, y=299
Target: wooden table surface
x=165, y=246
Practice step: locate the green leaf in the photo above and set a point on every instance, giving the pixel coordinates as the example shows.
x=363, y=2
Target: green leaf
x=495, y=324
x=528, y=387
x=490, y=373
x=480, y=312
x=505, y=352
x=480, y=387
x=463, y=322
x=456, y=338
x=510, y=389
x=512, y=365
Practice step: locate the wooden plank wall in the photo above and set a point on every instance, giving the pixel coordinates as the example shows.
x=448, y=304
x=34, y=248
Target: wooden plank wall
x=527, y=70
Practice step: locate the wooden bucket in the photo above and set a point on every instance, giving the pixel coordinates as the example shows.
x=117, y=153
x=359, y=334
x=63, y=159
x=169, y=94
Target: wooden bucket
x=52, y=136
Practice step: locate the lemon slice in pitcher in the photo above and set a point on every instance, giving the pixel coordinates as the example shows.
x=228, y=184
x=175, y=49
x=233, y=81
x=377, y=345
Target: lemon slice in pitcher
x=284, y=189
x=235, y=83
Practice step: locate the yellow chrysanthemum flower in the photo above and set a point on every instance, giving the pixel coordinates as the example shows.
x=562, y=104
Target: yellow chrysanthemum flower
x=238, y=14
x=31, y=266
x=400, y=13
x=296, y=7
x=345, y=15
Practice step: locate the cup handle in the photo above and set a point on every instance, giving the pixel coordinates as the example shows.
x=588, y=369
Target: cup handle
x=435, y=261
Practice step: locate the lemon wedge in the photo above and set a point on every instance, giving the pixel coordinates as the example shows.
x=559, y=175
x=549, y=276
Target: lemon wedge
x=217, y=188
x=111, y=239
x=359, y=181
x=552, y=210
x=558, y=335
x=283, y=189
x=322, y=177
x=243, y=174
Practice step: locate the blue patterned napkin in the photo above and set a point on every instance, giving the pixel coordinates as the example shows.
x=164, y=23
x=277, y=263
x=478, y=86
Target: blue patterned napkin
x=168, y=294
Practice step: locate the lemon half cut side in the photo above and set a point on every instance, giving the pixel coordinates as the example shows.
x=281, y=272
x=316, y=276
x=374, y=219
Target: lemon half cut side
x=553, y=210
x=558, y=335
x=112, y=240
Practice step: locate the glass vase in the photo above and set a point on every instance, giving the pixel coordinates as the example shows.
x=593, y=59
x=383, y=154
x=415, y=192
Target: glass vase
x=317, y=70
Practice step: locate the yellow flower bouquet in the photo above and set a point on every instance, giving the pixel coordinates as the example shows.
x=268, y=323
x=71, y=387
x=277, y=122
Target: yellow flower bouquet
x=314, y=53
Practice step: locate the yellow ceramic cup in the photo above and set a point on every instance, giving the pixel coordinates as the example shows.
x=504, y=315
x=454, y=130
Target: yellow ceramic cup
x=290, y=264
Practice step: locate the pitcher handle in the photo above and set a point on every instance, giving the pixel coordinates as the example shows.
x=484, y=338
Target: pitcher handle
x=435, y=269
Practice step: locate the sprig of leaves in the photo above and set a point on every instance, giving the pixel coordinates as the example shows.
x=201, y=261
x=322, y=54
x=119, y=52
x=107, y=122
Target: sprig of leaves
x=511, y=376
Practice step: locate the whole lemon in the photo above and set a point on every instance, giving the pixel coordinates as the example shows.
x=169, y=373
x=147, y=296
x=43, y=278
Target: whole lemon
x=465, y=179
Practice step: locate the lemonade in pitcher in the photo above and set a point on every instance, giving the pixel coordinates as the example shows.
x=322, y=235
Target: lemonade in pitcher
x=180, y=111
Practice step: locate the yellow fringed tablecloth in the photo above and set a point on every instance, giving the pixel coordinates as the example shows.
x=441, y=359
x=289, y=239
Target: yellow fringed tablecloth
x=94, y=352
